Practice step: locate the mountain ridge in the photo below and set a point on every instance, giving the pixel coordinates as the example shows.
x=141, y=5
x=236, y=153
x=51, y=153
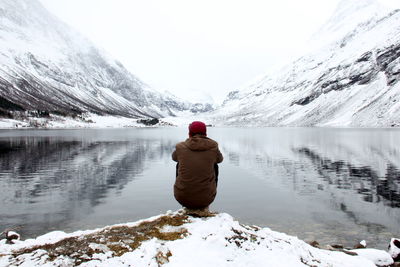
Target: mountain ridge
x=47, y=66
x=336, y=84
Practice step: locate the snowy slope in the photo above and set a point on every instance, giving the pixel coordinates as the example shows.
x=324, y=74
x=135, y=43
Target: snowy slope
x=46, y=65
x=349, y=77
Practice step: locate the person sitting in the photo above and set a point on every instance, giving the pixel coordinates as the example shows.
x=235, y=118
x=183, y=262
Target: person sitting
x=195, y=186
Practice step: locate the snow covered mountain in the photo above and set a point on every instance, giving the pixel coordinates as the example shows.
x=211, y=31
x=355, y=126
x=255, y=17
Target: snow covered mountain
x=46, y=66
x=350, y=77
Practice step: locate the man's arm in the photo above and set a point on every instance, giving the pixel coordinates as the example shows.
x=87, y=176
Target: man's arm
x=220, y=158
x=174, y=157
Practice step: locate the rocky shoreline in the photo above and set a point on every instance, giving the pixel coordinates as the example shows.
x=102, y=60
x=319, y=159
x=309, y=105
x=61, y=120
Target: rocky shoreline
x=179, y=239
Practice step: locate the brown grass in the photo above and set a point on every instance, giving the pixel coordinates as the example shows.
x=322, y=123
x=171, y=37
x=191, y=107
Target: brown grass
x=118, y=239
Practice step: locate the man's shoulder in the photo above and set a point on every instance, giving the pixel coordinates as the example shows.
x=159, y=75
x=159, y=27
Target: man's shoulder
x=212, y=143
x=190, y=144
x=180, y=145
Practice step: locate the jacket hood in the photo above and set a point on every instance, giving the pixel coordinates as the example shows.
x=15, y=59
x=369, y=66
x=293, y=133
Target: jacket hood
x=200, y=143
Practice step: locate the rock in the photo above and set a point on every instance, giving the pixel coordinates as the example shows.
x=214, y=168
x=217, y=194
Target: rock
x=199, y=212
x=388, y=60
x=362, y=244
x=351, y=253
x=11, y=236
x=149, y=122
x=315, y=244
x=331, y=248
x=358, y=246
x=394, y=249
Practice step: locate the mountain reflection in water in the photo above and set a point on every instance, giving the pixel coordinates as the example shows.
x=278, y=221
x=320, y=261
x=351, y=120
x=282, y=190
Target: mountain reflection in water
x=332, y=185
x=327, y=184
x=363, y=180
x=47, y=181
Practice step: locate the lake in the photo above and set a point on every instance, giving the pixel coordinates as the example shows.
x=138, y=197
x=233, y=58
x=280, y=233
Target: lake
x=336, y=186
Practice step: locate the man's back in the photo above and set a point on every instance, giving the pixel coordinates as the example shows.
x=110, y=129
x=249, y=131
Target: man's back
x=195, y=185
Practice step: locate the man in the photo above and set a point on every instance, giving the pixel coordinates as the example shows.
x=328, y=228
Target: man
x=196, y=180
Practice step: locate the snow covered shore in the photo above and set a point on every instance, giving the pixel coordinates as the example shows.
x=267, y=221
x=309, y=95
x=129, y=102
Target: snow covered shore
x=87, y=120
x=175, y=239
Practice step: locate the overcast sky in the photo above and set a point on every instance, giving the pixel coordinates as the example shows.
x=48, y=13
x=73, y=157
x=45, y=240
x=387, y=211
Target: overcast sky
x=197, y=48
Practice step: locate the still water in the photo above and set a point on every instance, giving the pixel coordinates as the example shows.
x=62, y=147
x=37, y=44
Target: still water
x=330, y=185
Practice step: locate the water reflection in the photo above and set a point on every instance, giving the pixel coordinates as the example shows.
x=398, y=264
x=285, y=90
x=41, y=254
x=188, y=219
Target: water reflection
x=333, y=185
x=48, y=181
x=363, y=180
x=363, y=161
x=345, y=182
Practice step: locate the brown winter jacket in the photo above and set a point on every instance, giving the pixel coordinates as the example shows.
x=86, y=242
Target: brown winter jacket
x=195, y=186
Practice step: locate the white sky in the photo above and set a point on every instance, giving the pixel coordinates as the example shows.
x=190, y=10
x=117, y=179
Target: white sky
x=197, y=48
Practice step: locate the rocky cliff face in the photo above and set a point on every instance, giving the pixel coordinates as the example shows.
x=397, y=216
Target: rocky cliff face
x=47, y=66
x=350, y=78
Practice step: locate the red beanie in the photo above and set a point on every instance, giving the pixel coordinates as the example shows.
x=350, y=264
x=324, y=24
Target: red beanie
x=197, y=127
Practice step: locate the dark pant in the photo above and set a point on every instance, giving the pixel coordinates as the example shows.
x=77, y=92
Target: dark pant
x=216, y=170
